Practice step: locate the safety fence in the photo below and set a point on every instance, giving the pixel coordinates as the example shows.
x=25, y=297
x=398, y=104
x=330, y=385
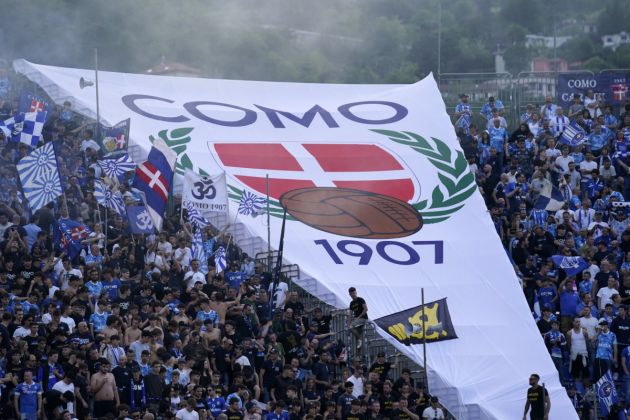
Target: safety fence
x=372, y=343
x=531, y=88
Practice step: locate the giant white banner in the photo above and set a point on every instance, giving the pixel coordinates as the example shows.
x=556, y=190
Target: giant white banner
x=355, y=165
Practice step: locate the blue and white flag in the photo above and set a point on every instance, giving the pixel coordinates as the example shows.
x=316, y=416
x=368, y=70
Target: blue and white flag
x=195, y=217
x=199, y=252
x=551, y=198
x=39, y=176
x=25, y=127
x=606, y=393
x=108, y=198
x=68, y=236
x=220, y=261
x=251, y=204
x=573, y=135
x=117, y=168
x=537, y=312
x=571, y=265
x=154, y=180
x=29, y=102
x=139, y=220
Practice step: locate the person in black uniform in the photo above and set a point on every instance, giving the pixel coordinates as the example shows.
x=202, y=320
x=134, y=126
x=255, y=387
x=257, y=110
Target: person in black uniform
x=537, y=399
x=359, y=310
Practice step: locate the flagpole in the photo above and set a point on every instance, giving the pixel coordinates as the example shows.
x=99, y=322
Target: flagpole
x=98, y=111
x=424, y=343
x=65, y=200
x=269, y=257
x=544, y=399
x=595, y=402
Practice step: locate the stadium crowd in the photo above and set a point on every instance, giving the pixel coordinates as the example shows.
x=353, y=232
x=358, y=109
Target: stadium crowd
x=131, y=328
x=580, y=302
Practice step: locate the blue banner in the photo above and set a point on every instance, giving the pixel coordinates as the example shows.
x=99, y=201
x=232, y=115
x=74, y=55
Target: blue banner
x=139, y=220
x=610, y=87
x=29, y=102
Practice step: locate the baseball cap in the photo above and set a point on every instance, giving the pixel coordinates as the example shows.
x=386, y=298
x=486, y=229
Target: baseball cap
x=434, y=399
x=603, y=322
x=463, y=95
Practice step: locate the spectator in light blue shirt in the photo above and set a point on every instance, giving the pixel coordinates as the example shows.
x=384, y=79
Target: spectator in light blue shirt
x=498, y=137
x=463, y=114
x=597, y=140
x=207, y=314
x=606, y=353
x=98, y=320
x=94, y=286
x=486, y=109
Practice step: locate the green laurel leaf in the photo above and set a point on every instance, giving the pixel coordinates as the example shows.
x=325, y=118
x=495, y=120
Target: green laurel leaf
x=455, y=177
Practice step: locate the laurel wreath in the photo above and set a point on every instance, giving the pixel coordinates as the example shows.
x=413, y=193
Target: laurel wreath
x=457, y=182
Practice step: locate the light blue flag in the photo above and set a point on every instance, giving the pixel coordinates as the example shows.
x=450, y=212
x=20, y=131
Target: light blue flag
x=108, y=198
x=550, y=199
x=251, y=204
x=117, y=168
x=606, y=393
x=39, y=176
x=573, y=135
x=198, y=251
x=220, y=261
x=195, y=217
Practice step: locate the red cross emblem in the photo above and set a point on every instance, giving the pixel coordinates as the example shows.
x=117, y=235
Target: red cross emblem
x=292, y=165
x=36, y=106
x=78, y=233
x=154, y=178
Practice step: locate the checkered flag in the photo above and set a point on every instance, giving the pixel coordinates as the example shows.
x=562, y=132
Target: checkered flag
x=251, y=204
x=25, y=127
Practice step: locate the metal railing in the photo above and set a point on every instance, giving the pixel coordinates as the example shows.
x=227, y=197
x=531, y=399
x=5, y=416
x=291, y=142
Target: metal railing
x=516, y=92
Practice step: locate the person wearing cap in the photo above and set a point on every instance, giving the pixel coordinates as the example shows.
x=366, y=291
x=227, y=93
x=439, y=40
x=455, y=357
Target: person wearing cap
x=606, y=352
x=103, y=387
x=188, y=412
x=488, y=107
x=434, y=411
x=463, y=113
x=380, y=366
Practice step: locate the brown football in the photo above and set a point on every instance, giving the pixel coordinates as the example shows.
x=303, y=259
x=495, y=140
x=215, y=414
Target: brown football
x=355, y=213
